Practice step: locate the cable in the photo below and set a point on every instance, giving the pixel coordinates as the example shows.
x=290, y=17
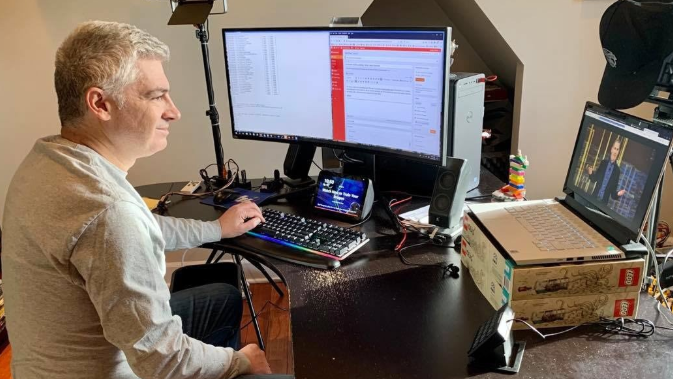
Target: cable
x=163, y=200
x=635, y=328
x=362, y=222
x=656, y=273
x=663, y=232
x=316, y=165
x=395, y=202
x=344, y=158
x=261, y=311
x=668, y=255
x=448, y=269
x=183, y=257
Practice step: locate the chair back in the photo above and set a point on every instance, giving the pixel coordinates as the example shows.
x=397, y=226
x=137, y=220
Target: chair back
x=199, y=275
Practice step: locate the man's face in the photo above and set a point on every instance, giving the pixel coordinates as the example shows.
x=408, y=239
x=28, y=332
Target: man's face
x=140, y=128
x=614, y=152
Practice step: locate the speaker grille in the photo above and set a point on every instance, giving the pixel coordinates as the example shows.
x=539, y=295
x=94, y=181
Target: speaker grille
x=442, y=202
x=447, y=181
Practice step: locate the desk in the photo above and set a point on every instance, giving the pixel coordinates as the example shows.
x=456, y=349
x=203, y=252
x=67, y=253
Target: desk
x=377, y=318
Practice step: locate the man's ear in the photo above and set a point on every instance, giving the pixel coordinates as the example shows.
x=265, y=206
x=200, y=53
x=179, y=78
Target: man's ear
x=98, y=103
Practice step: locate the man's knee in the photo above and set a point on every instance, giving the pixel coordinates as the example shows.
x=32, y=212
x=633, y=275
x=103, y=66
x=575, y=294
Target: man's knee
x=225, y=293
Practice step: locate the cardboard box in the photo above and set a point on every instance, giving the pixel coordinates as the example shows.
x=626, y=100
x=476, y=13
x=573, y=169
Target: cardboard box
x=568, y=311
x=502, y=282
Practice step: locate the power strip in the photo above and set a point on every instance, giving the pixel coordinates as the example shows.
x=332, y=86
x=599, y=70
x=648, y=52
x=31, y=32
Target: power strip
x=192, y=186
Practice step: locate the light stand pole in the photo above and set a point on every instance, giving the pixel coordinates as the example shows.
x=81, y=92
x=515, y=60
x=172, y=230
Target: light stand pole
x=196, y=12
x=202, y=36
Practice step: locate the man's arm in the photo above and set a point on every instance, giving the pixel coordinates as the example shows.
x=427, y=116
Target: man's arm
x=597, y=173
x=181, y=233
x=118, y=262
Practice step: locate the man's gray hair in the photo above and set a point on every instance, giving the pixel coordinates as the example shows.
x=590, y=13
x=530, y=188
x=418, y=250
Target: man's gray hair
x=104, y=55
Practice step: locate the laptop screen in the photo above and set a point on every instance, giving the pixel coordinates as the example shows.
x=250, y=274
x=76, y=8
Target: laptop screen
x=616, y=165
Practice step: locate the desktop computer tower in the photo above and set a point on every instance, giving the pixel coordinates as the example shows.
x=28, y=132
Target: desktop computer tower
x=466, y=121
x=463, y=140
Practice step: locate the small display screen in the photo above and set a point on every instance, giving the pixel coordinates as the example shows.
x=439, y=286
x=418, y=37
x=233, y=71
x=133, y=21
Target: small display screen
x=341, y=195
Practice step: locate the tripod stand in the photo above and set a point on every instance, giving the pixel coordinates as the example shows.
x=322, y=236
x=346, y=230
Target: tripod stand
x=203, y=35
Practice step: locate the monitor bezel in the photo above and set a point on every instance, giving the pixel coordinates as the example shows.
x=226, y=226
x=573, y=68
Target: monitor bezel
x=342, y=145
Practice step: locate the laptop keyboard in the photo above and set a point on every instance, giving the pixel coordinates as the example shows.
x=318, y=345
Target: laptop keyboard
x=554, y=229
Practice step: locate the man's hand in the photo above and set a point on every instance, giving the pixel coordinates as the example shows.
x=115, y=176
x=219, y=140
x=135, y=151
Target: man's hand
x=590, y=170
x=621, y=193
x=257, y=358
x=233, y=221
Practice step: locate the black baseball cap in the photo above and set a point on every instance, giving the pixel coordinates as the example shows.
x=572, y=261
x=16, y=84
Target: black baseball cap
x=637, y=36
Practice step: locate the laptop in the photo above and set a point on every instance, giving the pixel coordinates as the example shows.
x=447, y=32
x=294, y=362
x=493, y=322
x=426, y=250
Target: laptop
x=617, y=163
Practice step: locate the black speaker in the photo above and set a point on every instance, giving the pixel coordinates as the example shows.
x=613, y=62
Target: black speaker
x=298, y=160
x=448, y=195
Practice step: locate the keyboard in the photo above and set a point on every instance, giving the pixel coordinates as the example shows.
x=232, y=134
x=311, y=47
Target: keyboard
x=301, y=240
x=555, y=230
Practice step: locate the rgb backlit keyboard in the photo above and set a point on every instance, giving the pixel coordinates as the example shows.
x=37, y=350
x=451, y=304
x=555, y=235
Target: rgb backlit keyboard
x=308, y=236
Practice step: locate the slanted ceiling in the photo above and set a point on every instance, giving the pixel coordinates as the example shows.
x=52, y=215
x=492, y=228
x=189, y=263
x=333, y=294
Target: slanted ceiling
x=481, y=47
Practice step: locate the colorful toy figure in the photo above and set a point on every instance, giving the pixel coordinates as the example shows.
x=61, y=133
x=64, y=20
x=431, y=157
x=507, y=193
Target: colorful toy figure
x=515, y=190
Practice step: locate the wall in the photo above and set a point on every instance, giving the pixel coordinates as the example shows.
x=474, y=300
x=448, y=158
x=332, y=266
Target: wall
x=425, y=13
x=31, y=30
x=557, y=42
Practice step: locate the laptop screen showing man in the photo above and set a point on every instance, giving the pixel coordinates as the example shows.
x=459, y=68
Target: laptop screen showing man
x=616, y=165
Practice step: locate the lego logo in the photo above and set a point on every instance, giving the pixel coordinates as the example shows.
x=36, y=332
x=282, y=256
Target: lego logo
x=629, y=277
x=623, y=308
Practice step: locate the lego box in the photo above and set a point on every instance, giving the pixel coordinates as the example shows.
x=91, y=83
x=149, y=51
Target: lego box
x=568, y=311
x=501, y=281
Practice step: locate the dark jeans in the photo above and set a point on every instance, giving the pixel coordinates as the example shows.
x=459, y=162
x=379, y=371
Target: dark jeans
x=212, y=314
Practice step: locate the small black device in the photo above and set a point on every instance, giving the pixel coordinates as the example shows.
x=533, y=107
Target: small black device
x=448, y=196
x=494, y=347
x=344, y=197
x=272, y=185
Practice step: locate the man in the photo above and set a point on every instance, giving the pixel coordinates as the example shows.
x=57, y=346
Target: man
x=83, y=256
x=607, y=176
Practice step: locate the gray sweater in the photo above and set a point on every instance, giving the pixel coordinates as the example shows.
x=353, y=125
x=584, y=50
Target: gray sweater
x=83, y=264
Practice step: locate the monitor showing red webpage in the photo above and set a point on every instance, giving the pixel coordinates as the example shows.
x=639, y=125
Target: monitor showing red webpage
x=372, y=89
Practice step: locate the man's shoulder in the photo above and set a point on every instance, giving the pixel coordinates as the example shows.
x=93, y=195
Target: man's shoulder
x=60, y=186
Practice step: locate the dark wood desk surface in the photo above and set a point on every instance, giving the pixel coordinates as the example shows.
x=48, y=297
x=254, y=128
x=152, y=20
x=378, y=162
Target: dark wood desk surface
x=376, y=318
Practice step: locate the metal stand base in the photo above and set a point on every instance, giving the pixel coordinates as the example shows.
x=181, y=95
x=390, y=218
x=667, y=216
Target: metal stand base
x=259, y=263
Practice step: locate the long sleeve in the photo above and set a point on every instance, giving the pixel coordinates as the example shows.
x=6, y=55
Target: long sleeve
x=598, y=173
x=116, y=262
x=180, y=233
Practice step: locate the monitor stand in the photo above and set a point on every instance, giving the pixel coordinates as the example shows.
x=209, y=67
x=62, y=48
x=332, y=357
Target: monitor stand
x=297, y=164
x=390, y=173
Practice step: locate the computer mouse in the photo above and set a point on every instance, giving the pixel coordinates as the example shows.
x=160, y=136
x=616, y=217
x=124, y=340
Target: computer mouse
x=224, y=196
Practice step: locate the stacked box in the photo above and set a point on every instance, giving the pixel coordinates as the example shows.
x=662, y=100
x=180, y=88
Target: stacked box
x=551, y=295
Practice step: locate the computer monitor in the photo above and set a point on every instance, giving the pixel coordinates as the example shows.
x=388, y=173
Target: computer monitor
x=380, y=90
x=617, y=163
